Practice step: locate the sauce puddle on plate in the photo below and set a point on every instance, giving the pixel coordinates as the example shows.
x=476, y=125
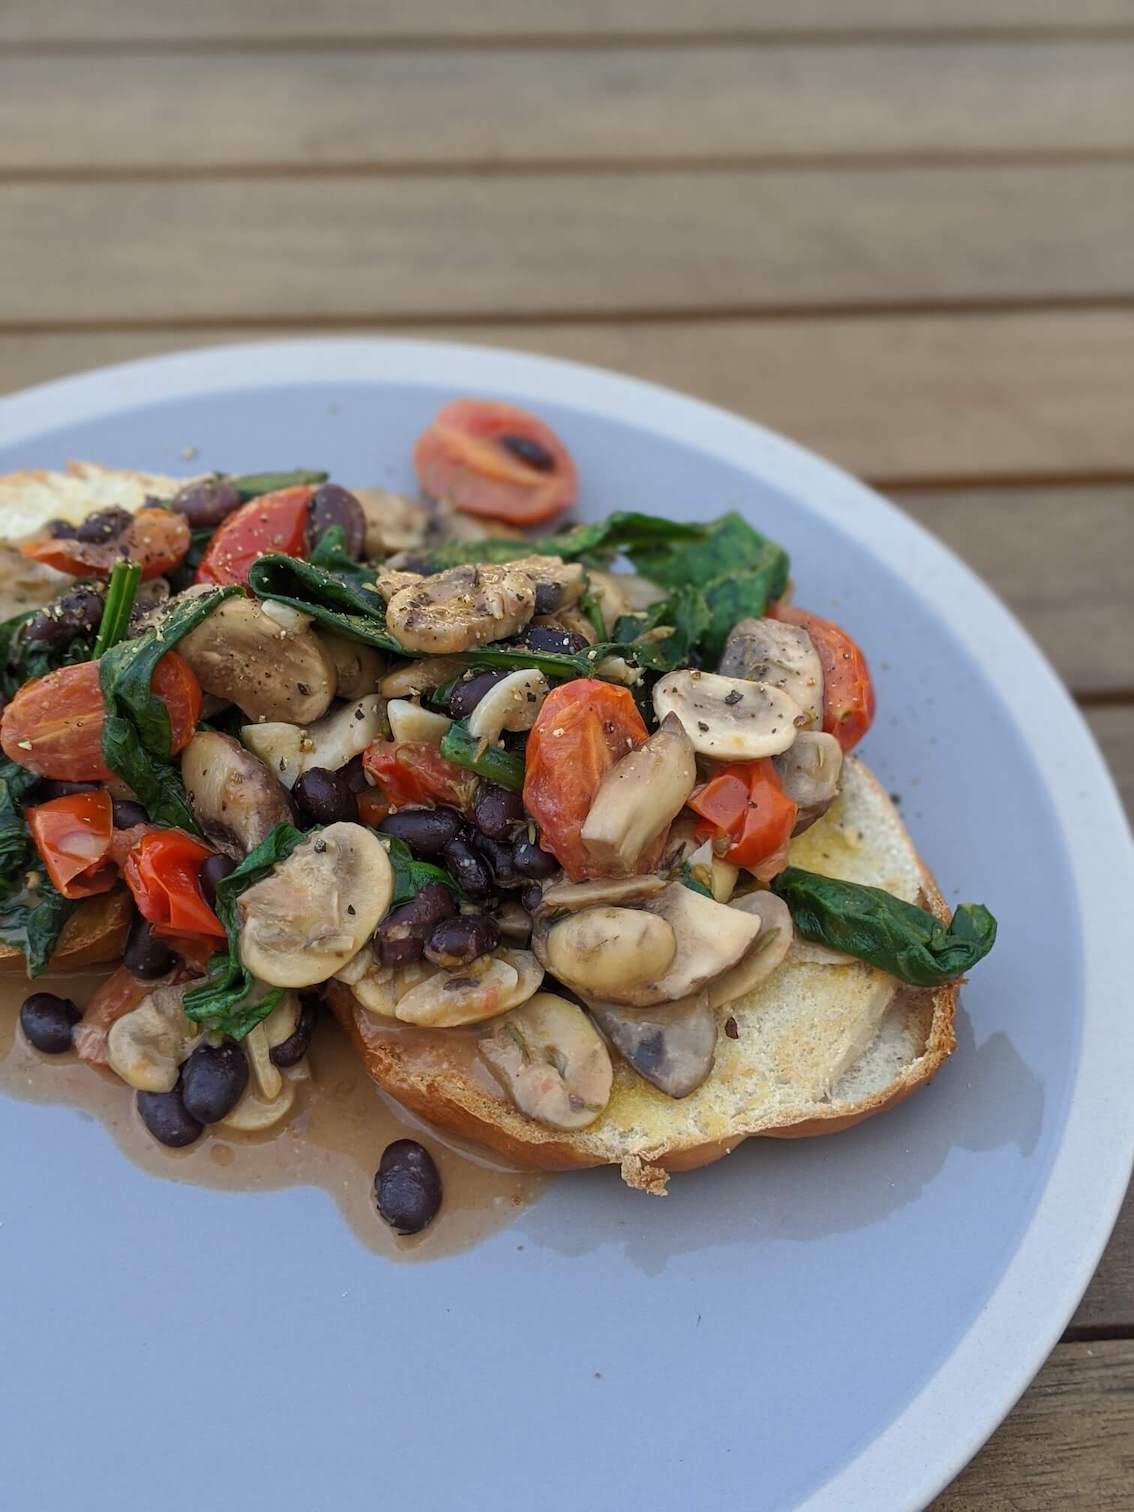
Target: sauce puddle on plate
x=333, y=1139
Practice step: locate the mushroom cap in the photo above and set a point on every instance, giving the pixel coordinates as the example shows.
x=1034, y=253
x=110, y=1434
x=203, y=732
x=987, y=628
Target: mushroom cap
x=728, y=718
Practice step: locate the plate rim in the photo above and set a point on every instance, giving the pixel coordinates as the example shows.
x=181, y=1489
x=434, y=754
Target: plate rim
x=913, y=1458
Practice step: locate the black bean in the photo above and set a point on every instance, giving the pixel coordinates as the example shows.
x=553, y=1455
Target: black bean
x=534, y=453
x=215, y=869
x=167, y=1118
x=332, y=505
x=470, y=869
x=427, y=831
x=104, y=525
x=47, y=1020
x=324, y=797
x=61, y=530
x=76, y=613
x=531, y=861
x=501, y=861
x=146, y=955
x=544, y=638
x=294, y=1048
x=497, y=811
x=206, y=503
x=457, y=942
x=355, y=774
x=531, y=897
x=407, y=1187
x=213, y=1080
x=127, y=813
x=48, y=788
x=400, y=938
x=469, y=692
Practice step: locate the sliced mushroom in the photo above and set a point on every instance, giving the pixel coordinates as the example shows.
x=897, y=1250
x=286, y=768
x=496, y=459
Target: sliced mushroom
x=606, y=951
x=576, y=895
x=810, y=772
x=254, y=1113
x=413, y=678
x=381, y=988
x=147, y=1045
x=784, y=656
x=515, y=924
x=510, y=704
x=551, y=1061
x=763, y=956
x=237, y=800
x=607, y=588
x=242, y=655
x=289, y=750
x=313, y=912
x=265, y=1074
x=282, y=1022
x=558, y=584
x=670, y=1045
x=461, y=608
x=490, y=986
x=392, y=523
x=290, y=621
x=617, y=669
x=727, y=718
x=390, y=580
x=638, y=799
x=357, y=667
x=409, y=722
x=713, y=872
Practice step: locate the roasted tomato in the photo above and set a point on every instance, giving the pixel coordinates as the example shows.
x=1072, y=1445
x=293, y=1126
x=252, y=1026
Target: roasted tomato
x=275, y=522
x=414, y=772
x=745, y=805
x=157, y=538
x=72, y=836
x=53, y=726
x=163, y=872
x=495, y=460
x=848, y=693
x=582, y=729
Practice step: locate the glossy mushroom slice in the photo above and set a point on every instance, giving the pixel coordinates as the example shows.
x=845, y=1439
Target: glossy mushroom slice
x=638, y=799
x=606, y=951
x=573, y=896
x=727, y=718
x=147, y=1045
x=491, y=985
x=782, y=655
x=810, y=772
x=289, y=750
x=551, y=1061
x=316, y=909
x=243, y=655
x=510, y=704
x=358, y=668
x=459, y=609
x=236, y=799
x=417, y=677
x=763, y=956
x=671, y=1045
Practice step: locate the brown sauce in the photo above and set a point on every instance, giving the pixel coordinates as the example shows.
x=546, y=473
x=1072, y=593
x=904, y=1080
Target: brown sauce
x=333, y=1138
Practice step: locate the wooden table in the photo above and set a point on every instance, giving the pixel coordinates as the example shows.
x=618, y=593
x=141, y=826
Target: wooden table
x=901, y=231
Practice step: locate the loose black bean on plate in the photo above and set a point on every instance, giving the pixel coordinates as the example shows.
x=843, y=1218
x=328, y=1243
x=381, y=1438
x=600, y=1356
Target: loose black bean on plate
x=168, y=1119
x=325, y=797
x=400, y=937
x=427, y=831
x=462, y=940
x=215, y=869
x=332, y=505
x=469, y=869
x=213, y=1080
x=469, y=691
x=497, y=811
x=104, y=525
x=531, y=860
x=407, y=1187
x=206, y=503
x=294, y=1048
x=78, y=612
x=544, y=638
x=47, y=1020
x=146, y=955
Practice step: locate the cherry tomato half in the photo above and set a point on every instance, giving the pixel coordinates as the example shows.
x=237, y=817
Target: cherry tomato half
x=848, y=693
x=582, y=729
x=745, y=804
x=495, y=460
x=72, y=835
x=157, y=538
x=275, y=522
x=53, y=726
x=415, y=772
x=163, y=873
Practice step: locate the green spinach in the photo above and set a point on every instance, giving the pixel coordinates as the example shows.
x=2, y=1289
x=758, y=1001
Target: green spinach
x=344, y=604
x=505, y=768
x=118, y=605
x=252, y=485
x=625, y=531
x=411, y=875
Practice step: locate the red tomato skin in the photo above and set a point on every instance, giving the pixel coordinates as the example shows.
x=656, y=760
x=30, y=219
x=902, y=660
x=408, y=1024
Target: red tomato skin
x=848, y=692
x=72, y=835
x=157, y=538
x=53, y=726
x=415, y=773
x=275, y=522
x=162, y=872
x=583, y=728
x=745, y=803
x=460, y=459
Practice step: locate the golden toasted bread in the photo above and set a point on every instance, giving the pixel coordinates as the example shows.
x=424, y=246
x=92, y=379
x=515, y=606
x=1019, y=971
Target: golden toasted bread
x=95, y=933
x=824, y=1042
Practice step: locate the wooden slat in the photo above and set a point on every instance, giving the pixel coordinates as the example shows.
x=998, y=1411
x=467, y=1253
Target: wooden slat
x=1062, y=559
x=1109, y=1303
x=132, y=20
x=532, y=104
x=890, y=398
x=1069, y=1443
